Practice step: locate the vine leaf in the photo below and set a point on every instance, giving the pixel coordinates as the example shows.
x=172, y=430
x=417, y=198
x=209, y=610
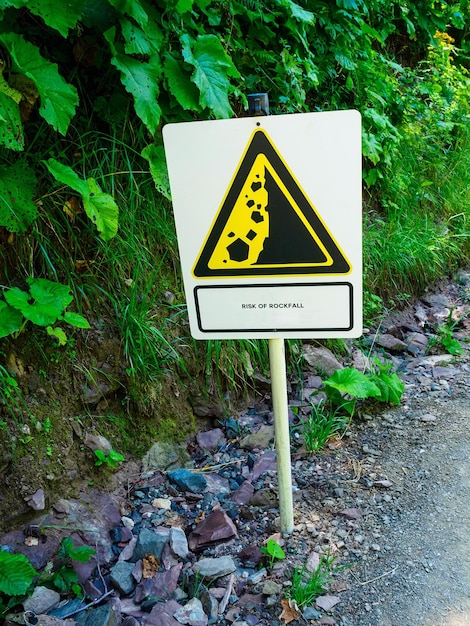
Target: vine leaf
x=212, y=66
x=100, y=207
x=17, y=186
x=58, y=99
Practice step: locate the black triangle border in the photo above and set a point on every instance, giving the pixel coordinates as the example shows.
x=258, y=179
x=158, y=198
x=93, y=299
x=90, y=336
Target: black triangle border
x=260, y=144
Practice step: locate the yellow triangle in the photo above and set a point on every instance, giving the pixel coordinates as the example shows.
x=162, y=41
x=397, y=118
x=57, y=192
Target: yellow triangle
x=266, y=225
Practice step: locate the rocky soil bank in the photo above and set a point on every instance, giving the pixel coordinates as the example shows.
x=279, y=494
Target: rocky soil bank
x=180, y=539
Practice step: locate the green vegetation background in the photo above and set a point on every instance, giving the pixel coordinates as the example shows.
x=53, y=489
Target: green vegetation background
x=86, y=228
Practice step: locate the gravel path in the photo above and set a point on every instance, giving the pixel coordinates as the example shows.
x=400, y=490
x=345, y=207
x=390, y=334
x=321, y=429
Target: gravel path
x=421, y=576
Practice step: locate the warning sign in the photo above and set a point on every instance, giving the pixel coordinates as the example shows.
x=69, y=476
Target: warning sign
x=266, y=224
x=268, y=213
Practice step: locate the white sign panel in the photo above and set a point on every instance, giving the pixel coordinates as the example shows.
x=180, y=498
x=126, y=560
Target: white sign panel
x=268, y=218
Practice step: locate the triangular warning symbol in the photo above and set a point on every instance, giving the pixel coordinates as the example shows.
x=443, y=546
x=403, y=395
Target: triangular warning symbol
x=266, y=225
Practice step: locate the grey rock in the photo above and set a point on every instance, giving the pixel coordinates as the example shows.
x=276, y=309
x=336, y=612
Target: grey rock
x=215, y=567
x=178, y=542
x=37, y=501
x=164, y=456
x=150, y=542
x=97, y=442
x=105, y=615
x=310, y=613
x=121, y=577
x=258, y=440
x=210, y=606
x=42, y=600
x=321, y=359
x=186, y=480
x=191, y=613
x=67, y=608
x=389, y=342
x=271, y=588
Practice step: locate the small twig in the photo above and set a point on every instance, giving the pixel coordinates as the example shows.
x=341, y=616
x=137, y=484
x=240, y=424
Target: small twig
x=90, y=604
x=226, y=598
x=368, y=582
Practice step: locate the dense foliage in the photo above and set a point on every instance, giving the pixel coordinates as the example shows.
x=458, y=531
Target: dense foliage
x=85, y=87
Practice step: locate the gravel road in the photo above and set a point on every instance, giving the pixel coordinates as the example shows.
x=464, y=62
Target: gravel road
x=421, y=575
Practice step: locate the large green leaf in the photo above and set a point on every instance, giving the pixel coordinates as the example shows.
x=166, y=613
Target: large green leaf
x=16, y=574
x=212, y=66
x=17, y=186
x=155, y=155
x=10, y=319
x=45, y=302
x=58, y=99
x=352, y=382
x=100, y=207
x=180, y=85
x=43, y=290
x=58, y=15
x=141, y=80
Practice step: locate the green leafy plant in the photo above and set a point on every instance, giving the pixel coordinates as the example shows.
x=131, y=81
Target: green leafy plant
x=16, y=577
x=389, y=383
x=43, y=305
x=345, y=386
x=274, y=551
x=62, y=576
x=445, y=335
x=112, y=459
x=308, y=586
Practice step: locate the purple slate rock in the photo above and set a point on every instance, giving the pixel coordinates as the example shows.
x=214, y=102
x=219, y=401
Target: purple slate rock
x=265, y=462
x=352, y=513
x=252, y=554
x=161, y=585
x=326, y=603
x=216, y=527
x=211, y=439
x=162, y=614
x=243, y=494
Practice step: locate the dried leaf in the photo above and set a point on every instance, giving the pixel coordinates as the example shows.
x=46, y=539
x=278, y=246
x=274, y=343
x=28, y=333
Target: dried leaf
x=31, y=541
x=150, y=566
x=72, y=208
x=289, y=612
